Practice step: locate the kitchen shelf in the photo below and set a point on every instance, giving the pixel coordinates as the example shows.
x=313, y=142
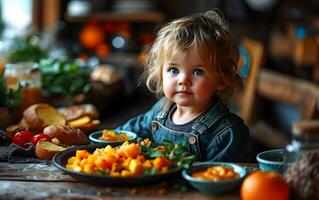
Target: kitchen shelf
x=155, y=17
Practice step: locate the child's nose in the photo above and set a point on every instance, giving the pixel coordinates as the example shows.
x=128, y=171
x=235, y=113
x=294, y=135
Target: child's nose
x=184, y=81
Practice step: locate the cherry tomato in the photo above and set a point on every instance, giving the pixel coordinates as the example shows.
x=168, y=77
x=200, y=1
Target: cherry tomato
x=35, y=139
x=22, y=137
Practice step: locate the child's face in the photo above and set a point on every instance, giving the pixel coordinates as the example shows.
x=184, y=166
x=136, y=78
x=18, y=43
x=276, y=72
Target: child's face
x=187, y=81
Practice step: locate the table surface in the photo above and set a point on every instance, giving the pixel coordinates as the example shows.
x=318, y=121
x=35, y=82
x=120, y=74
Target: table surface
x=45, y=181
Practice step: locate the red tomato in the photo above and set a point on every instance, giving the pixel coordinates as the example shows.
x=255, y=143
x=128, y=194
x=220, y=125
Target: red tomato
x=35, y=139
x=22, y=137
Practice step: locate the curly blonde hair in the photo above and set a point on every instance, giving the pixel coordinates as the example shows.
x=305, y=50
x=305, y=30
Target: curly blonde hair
x=207, y=32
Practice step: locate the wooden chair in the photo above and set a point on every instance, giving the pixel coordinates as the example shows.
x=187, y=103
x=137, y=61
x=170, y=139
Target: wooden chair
x=306, y=126
x=275, y=87
x=295, y=92
x=251, y=56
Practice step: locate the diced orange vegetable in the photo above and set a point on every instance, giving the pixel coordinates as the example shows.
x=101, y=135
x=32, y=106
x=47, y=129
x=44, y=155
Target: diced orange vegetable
x=91, y=159
x=88, y=168
x=82, y=154
x=136, y=167
x=115, y=174
x=101, y=163
x=83, y=162
x=147, y=165
x=71, y=160
x=125, y=173
x=159, y=162
x=164, y=169
x=132, y=150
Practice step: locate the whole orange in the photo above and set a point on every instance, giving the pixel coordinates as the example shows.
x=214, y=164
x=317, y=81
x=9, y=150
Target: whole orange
x=264, y=185
x=91, y=35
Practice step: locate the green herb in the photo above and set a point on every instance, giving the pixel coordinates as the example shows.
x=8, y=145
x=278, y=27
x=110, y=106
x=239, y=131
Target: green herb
x=103, y=172
x=153, y=171
x=175, y=152
x=156, y=154
x=10, y=98
x=63, y=77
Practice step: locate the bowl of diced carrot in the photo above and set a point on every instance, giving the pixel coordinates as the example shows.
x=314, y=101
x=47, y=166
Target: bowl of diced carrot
x=112, y=137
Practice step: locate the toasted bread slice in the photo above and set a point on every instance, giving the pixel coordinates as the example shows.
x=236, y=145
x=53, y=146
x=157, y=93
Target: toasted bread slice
x=41, y=115
x=80, y=122
x=45, y=150
x=78, y=111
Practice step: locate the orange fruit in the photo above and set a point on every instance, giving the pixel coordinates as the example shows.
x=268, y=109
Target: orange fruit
x=264, y=185
x=91, y=36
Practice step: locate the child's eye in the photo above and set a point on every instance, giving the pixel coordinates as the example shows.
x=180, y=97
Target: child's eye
x=198, y=72
x=173, y=70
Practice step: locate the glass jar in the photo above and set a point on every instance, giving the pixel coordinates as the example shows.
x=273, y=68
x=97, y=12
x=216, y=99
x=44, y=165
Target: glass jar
x=301, y=160
x=28, y=76
x=305, y=139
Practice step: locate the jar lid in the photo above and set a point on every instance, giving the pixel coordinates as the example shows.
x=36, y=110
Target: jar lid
x=307, y=127
x=27, y=65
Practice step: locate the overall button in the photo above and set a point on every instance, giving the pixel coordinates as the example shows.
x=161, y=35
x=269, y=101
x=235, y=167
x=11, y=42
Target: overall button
x=192, y=139
x=154, y=126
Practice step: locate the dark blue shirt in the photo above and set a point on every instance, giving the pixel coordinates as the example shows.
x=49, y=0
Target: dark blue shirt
x=187, y=127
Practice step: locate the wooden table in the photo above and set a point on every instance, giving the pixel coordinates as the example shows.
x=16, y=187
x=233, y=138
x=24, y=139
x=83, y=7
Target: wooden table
x=42, y=181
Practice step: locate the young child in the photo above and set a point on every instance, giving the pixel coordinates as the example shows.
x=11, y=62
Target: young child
x=192, y=65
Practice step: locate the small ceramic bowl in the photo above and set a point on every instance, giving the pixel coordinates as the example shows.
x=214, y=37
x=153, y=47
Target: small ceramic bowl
x=94, y=137
x=271, y=160
x=210, y=186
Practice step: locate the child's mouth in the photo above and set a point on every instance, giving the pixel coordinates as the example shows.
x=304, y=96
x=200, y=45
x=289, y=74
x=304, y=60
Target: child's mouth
x=184, y=92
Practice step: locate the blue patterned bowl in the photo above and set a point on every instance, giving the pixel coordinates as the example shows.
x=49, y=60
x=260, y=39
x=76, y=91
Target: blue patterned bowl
x=272, y=160
x=210, y=186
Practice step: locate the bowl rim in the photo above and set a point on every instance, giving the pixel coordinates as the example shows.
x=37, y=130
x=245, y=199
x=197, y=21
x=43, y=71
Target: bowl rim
x=264, y=161
x=188, y=177
x=130, y=134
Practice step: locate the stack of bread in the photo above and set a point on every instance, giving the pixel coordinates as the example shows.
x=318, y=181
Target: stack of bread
x=64, y=127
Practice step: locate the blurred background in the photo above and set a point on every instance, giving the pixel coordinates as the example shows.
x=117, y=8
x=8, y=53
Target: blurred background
x=91, y=51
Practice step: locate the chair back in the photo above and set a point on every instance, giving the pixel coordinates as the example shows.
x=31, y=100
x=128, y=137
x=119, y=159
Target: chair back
x=250, y=62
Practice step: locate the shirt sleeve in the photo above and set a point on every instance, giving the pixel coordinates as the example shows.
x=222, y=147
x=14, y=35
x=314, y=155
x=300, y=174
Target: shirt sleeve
x=230, y=145
x=141, y=124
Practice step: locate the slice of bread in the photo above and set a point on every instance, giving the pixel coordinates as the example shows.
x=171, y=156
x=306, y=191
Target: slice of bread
x=79, y=122
x=78, y=111
x=45, y=150
x=41, y=115
x=86, y=124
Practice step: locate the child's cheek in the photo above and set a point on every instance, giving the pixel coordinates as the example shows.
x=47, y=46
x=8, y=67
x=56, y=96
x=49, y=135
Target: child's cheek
x=204, y=90
x=169, y=89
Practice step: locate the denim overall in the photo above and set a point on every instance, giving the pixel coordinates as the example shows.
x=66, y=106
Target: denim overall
x=216, y=136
